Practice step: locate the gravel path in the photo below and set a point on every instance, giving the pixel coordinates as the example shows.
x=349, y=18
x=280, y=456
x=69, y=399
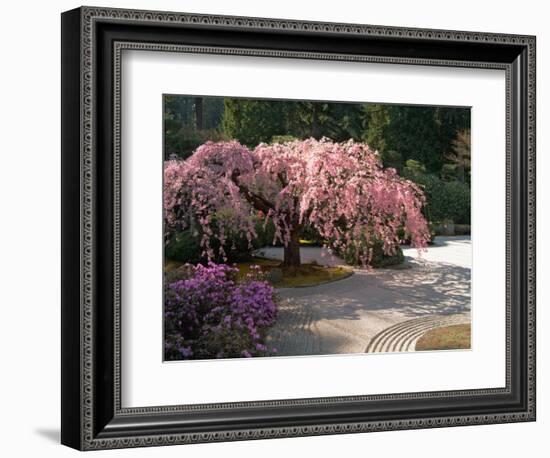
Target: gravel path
x=403, y=336
x=381, y=310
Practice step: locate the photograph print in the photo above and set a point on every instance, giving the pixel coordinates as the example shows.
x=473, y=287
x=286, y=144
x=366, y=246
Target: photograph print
x=298, y=227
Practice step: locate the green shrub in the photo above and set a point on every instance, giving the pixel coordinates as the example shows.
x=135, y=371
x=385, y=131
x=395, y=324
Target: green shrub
x=265, y=233
x=283, y=138
x=413, y=169
x=184, y=247
x=449, y=172
x=406, y=239
x=445, y=200
x=457, y=202
x=392, y=159
x=379, y=258
x=311, y=234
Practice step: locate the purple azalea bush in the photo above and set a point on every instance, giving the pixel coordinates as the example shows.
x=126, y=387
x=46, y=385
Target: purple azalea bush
x=211, y=315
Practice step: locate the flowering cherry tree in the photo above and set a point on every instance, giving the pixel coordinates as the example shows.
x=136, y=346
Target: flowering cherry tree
x=340, y=189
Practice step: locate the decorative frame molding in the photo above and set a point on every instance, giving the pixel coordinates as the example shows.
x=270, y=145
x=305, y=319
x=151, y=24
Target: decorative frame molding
x=92, y=414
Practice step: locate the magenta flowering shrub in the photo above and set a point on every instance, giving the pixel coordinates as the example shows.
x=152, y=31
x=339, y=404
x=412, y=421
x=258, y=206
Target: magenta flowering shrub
x=211, y=315
x=339, y=189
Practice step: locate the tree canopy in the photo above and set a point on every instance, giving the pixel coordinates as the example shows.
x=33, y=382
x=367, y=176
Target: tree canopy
x=340, y=189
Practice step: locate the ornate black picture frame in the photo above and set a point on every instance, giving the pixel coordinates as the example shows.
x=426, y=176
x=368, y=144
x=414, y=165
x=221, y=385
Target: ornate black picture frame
x=92, y=42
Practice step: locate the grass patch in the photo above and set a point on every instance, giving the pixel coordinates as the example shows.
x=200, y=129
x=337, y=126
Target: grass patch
x=265, y=264
x=292, y=277
x=455, y=337
x=295, y=277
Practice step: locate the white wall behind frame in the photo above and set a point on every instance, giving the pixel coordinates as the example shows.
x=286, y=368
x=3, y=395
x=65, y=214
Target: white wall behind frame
x=30, y=177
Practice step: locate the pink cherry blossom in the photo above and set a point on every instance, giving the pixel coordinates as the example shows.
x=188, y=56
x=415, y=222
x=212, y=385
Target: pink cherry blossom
x=340, y=189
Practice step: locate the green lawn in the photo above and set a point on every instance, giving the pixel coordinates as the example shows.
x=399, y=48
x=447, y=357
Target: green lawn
x=305, y=275
x=453, y=337
x=292, y=277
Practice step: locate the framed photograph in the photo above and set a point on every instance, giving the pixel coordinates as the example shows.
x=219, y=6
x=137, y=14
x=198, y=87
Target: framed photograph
x=276, y=228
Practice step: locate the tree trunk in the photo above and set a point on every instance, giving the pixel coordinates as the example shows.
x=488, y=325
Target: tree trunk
x=315, y=122
x=199, y=117
x=461, y=173
x=292, y=250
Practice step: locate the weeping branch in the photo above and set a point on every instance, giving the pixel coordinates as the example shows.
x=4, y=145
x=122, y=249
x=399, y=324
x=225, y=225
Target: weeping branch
x=257, y=201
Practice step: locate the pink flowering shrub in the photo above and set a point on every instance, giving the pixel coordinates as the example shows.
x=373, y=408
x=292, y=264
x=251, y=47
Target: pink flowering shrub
x=339, y=189
x=210, y=315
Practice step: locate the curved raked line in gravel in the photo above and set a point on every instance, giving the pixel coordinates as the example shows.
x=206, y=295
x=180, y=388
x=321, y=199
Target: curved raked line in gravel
x=403, y=336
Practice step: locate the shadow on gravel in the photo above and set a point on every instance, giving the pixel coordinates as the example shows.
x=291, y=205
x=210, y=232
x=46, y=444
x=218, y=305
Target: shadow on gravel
x=335, y=317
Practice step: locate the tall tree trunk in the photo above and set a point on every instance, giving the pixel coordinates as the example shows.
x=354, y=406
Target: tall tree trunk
x=292, y=250
x=315, y=122
x=461, y=173
x=199, y=117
